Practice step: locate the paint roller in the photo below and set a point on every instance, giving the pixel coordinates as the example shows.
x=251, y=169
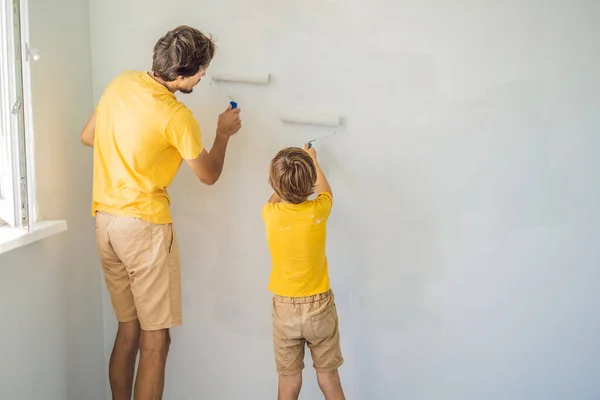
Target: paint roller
x=312, y=118
x=256, y=79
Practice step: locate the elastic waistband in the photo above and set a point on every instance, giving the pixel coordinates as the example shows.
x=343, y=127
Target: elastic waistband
x=303, y=300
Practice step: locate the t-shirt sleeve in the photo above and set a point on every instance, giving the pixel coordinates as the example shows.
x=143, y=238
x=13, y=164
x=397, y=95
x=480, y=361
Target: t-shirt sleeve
x=183, y=133
x=323, y=204
x=267, y=210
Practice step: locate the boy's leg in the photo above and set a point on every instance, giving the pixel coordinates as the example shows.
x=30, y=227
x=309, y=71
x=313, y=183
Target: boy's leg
x=289, y=386
x=330, y=385
x=289, y=347
x=323, y=339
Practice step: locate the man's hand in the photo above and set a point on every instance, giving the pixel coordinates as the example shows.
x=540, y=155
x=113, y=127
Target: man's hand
x=311, y=152
x=89, y=131
x=229, y=122
x=209, y=165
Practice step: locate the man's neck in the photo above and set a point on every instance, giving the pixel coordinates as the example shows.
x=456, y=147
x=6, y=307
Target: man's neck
x=169, y=85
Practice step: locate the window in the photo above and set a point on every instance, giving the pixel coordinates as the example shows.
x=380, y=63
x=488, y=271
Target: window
x=17, y=189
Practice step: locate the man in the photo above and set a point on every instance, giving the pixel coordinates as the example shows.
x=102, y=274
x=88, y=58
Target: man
x=140, y=134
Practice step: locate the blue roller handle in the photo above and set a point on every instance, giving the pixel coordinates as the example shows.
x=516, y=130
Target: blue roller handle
x=233, y=105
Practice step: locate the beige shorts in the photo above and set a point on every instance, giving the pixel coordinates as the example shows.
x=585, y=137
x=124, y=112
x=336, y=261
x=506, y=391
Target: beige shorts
x=141, y=268
x=300, y=321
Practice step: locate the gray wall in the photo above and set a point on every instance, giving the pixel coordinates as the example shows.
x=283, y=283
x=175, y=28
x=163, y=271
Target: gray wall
x=50, y=299
x=463, y=241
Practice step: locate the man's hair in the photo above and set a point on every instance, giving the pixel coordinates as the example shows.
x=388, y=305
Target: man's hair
x=182, y=52
x=293, y=175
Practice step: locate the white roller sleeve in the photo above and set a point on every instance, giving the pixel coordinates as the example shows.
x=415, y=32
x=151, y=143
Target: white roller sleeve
x=310, y=118
x=256, y=79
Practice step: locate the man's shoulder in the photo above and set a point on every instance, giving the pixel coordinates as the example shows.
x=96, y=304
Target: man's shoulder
x=125, y=76
x=179, y=114
x=161, y=101
x=131, y=74
x=121, y=83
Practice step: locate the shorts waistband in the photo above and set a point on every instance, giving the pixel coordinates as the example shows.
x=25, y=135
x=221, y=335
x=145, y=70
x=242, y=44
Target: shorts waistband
x=303, y=300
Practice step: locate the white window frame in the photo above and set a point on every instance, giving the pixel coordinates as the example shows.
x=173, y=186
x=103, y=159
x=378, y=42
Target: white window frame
x=17, y=172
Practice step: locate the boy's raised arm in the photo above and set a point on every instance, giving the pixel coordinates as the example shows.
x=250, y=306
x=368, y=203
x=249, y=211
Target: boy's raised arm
x=322, y=185
x=274, y=198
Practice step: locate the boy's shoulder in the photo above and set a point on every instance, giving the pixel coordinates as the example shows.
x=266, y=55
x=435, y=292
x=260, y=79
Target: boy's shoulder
x=323, y=199
x=323, y=202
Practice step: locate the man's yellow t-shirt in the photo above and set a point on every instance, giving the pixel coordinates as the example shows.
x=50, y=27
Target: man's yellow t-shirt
x=296, y=236
x=142, y=135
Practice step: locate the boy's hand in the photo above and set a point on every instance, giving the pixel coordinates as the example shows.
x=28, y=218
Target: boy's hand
x=229, y=122
x=311, y=151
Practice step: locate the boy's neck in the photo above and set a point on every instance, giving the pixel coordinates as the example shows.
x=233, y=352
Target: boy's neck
x=287, y=202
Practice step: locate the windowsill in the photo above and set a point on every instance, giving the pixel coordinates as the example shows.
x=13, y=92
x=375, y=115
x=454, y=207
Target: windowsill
x=13, y=238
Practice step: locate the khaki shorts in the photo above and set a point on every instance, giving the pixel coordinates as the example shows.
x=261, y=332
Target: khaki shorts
x=309, y=320
x=140, y=261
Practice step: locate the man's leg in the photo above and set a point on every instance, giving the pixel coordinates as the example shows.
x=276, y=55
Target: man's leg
x=122, y=360
x=151, y=255
x=330, y=385
x=289, y=387
x=150, y=381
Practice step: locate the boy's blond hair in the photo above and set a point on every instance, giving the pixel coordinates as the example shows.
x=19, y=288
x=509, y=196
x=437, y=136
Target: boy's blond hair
x=293, y=175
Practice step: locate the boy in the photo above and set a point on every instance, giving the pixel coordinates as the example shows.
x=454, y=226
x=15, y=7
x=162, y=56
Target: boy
x=304, y=310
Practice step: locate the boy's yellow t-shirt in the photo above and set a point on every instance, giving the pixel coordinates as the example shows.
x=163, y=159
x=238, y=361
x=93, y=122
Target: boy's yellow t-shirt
x=296, y=236
x=142, y=135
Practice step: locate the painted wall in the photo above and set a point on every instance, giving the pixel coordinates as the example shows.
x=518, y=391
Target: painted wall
x=463, y=242
x=50, y=301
